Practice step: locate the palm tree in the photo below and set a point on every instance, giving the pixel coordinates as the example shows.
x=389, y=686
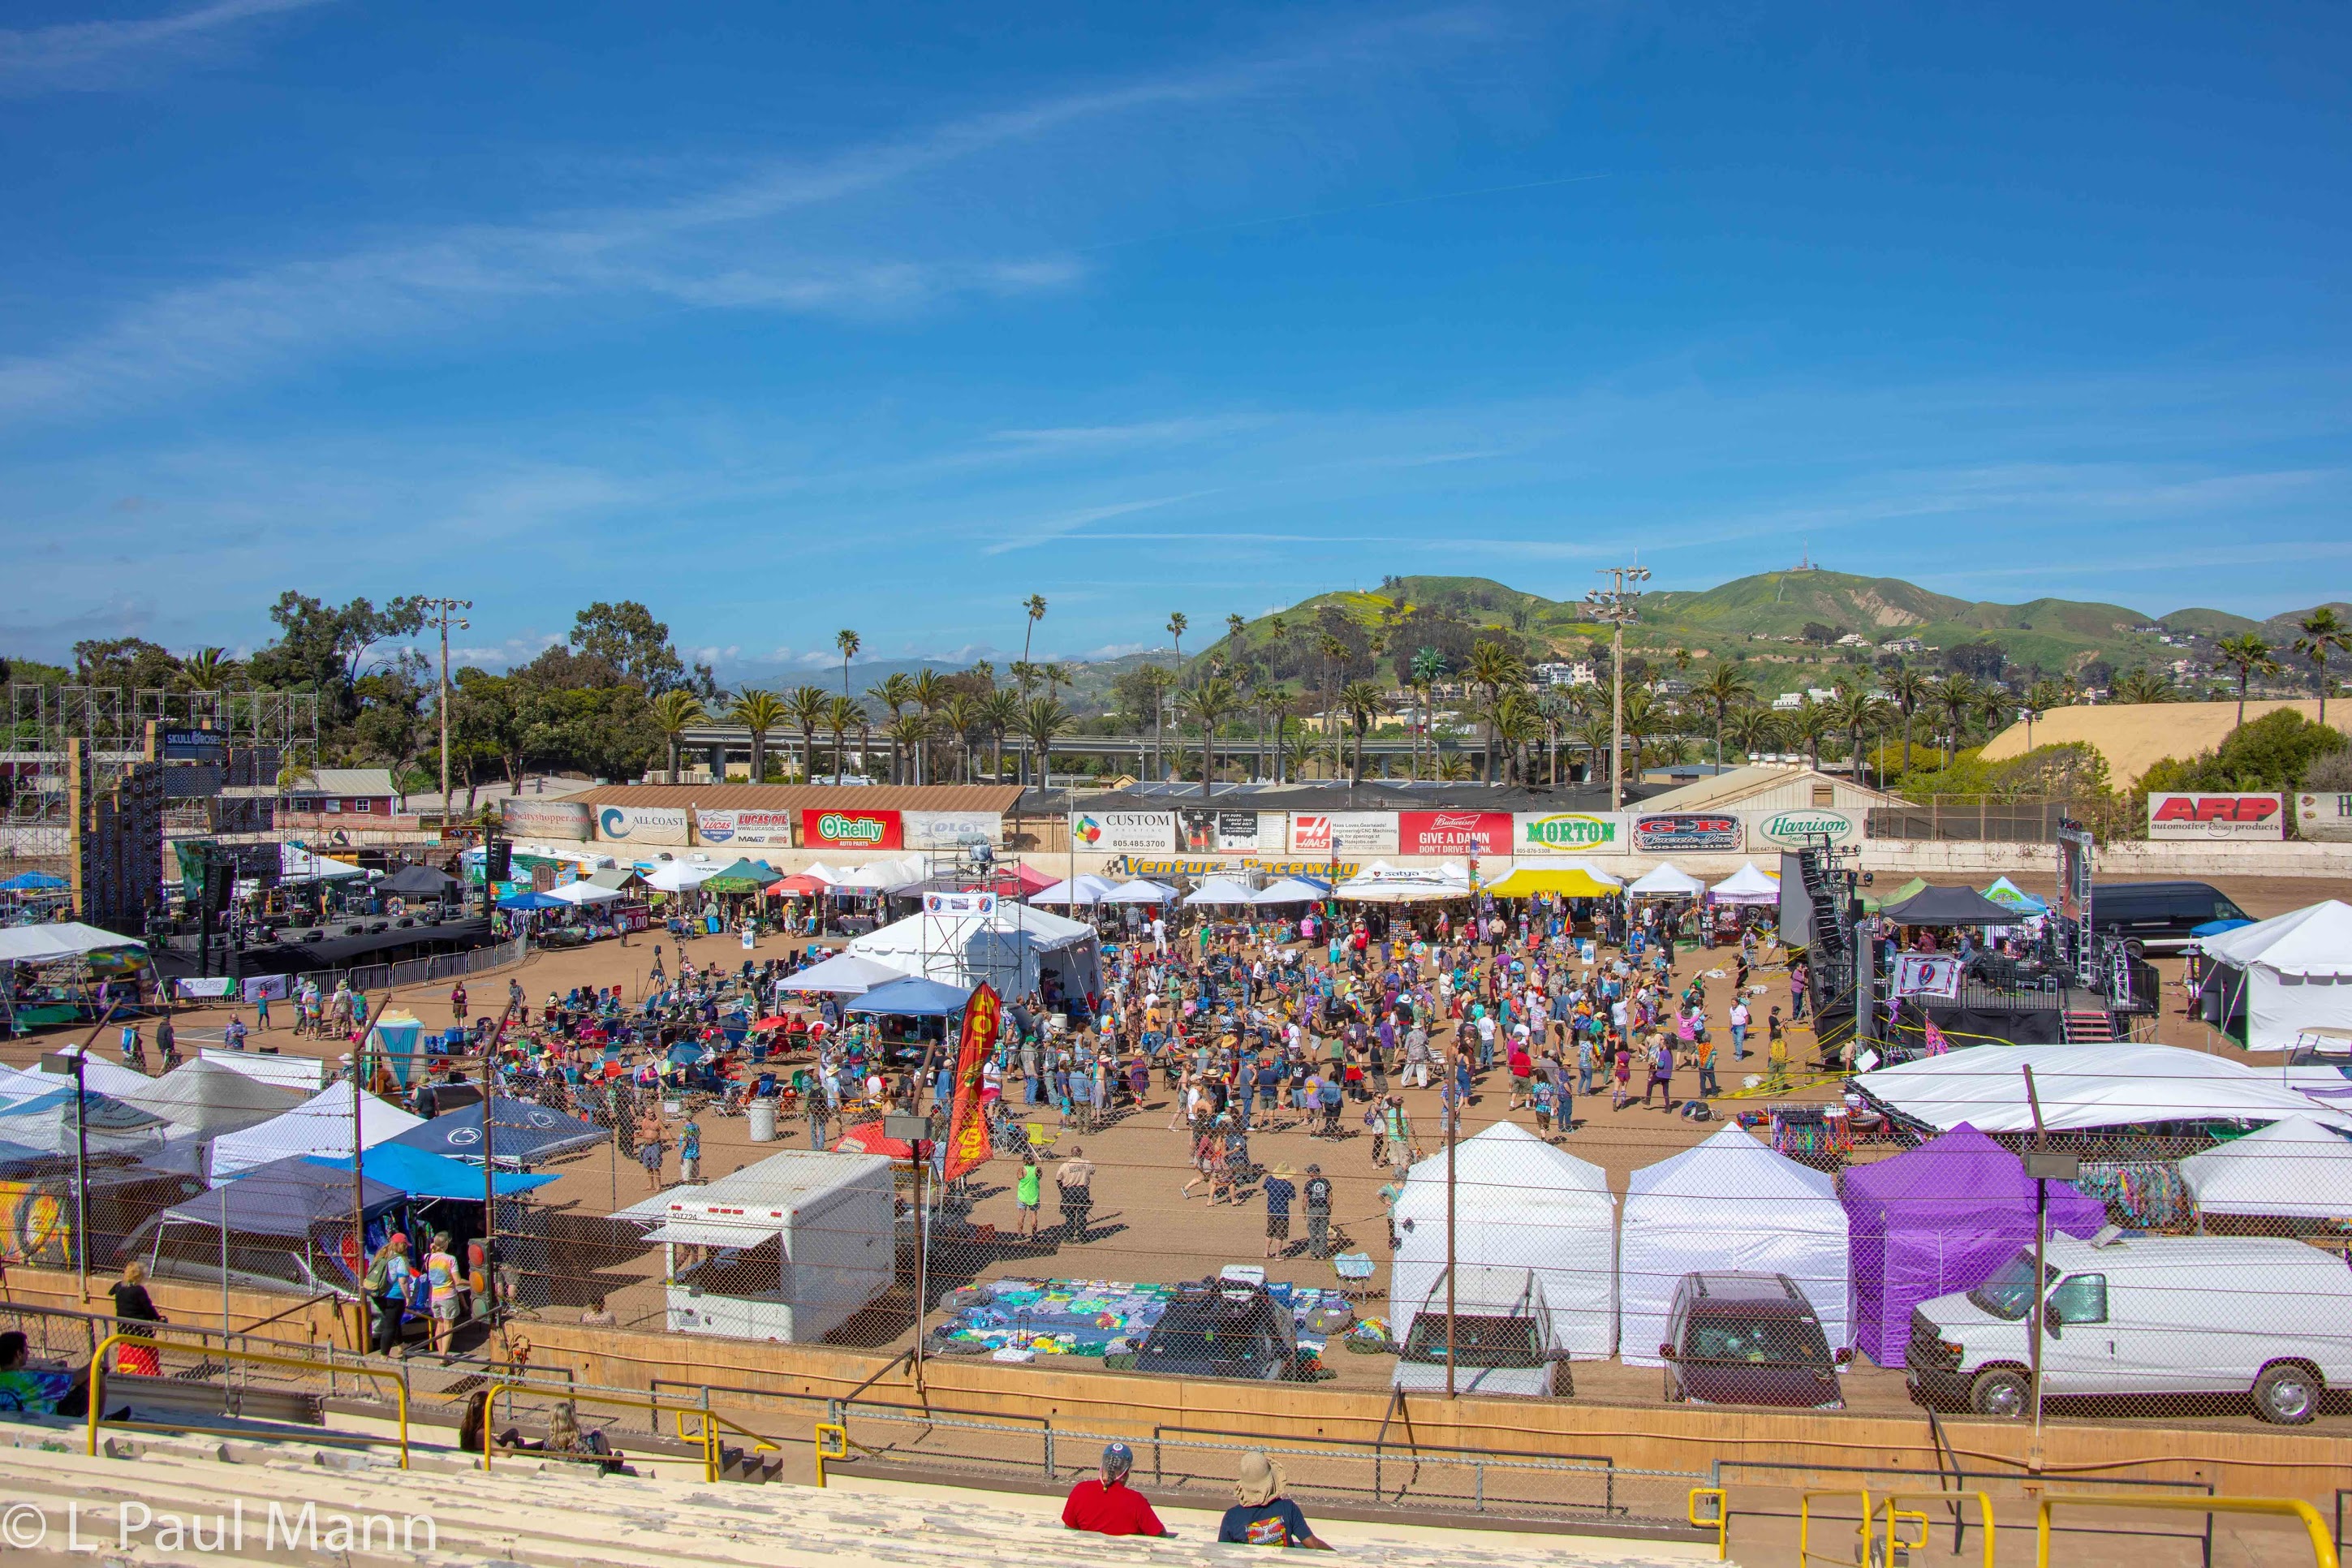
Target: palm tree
x=759, y=711
x=208, y=668
x=1042, y=719
x=1361, y=701
x=1727, y=686
x=1033, y=606
x=2140, y=685
x=1176, y=625
x=806, y=706
x=1593, y=733
x=1234, y=626
x=1494, y=666
x=1209, y=703
x=964, y=715
x=1516, y=722
x=999, y=715
x=1056, y=676
x=673, y=712
x=907, y=732
x=2040, y=698
x=2246, y=654
x=1808, y=722
x=848, y=643
x=1955, y=697
x=894, y=692
x=1907, y=689
x=1853, y=709
x=1752, y=730
x=1645, y=716
x=1454, y=769
x=1428, y=670
x=2323, y=632
x=930, y=690
x=840, y=714
x=1334, y=651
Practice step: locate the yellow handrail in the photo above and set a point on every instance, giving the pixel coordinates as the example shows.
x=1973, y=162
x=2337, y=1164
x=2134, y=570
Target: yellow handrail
x=831, y=1443
x=2323, y=1548
x=1805, y=1554
x=253, y=1358
x=758, y=1440
x=1894, y=1502
x=1721, y=1522
x=509, y=1385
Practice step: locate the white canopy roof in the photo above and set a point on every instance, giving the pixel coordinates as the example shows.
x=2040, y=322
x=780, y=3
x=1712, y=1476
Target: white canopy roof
x=1289, y=891
x=2086, y=1085
x=1665, y=880
x=2312, y=943
x=1008, y=948
x=881, y=876
x=680, y=876
x=1218, y=890
x=296, y=864
x=65, y=939
x=320, y=1125
x=304, y=1075
x=1747, y=886
x=1728, y=1203
x=99, y=1075
x=1085, y=888
x=844, y=973
x=1139, y=892
x=2293, y=1167
x=584, y=893
x=208, y=1099
x=1382, y=883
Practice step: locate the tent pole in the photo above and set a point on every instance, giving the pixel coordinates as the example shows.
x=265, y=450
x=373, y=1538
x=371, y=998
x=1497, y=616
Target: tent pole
x=359, y=1178
x=1452, y=1124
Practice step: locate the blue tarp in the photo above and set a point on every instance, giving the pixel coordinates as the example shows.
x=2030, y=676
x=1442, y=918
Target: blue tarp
x=521, y=1131
x=531, y=900
x=33, y=882
x=913, y=998
x=424, y=1176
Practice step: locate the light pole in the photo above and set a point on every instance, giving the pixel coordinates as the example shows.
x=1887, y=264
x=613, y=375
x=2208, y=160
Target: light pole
x=1615, y=605
x=441, y=609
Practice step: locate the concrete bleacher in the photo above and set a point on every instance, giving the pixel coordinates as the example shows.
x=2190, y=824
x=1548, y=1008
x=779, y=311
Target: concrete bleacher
x=529, y=1511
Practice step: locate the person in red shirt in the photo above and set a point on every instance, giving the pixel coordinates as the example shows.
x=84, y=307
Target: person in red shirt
x=1109, y=1506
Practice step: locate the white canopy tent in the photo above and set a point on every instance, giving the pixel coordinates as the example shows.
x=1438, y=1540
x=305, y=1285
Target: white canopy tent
x=99, y=1075
x=1084, y=889
x=1518, y=1203
x=1290, y=891
x=1728, y=1203
x=1219, y=891
x=1667, y=880
x=680, y=876
x=845, y=974
x=1012, y=948
x=1747, y=886
x=2286, y=974
x=584, y=893
x=63, y=940
x=296, y=864
x=1380, y=883
x=1139, y=892
x=2294, y=1167
x=2118, y=1085
x=882, y=876
x=205, y=1099
x=320, y=1125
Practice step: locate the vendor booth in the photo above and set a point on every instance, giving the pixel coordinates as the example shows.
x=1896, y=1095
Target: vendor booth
x=1728, y=1203
x=2086, y=1087
x=2271, y=981
x=286, y=1226
x=320, y=1125
x=1747, y=886
x=1084, y=889
x=1013, y=947
x=843, y=974
x=1938, y=1219
x=1664, y=881
x=788, y=1250
x=1518, y=1203
x=2292, y=1169
x=1574, y=881
x=1220, y=892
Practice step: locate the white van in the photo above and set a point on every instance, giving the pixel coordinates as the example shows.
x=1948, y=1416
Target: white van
x=1503, y=1338
x=2150, y=1316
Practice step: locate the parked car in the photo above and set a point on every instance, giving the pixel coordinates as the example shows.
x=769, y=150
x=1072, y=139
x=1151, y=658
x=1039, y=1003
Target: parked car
x=1221, y=1328
x=2150, y=1316
x=2157, y=917
x=1502, y=1338
x=1738, y=1337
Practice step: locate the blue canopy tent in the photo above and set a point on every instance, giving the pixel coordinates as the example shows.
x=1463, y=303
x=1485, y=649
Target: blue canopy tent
x=2215, y=928
x=424, y=1176
x=33, y=882
x=288, y=1221
x=531, y=898
x=522, y=1133
x=913, y=998
x=2004, y=891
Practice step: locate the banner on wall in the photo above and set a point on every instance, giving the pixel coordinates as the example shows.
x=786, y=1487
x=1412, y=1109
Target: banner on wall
x=1797, y=828
x=528, y=818
x=1354, y=832
x=835, y=829
x=1687, y=833
x=2324, y=815
x=947, y=829
x=1149, y=865
x=1536, y=834
x=1453, y=831
x=1124, y=832
x=642, y=823
x=1216, y=830
x=2216, y=814
x=743, y=826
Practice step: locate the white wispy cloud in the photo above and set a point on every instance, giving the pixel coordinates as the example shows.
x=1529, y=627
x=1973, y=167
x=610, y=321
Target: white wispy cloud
x=84, y=57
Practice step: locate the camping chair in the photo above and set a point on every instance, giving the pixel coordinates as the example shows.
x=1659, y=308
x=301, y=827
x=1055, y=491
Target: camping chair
x=1040, y=1138
x=1355, y=1270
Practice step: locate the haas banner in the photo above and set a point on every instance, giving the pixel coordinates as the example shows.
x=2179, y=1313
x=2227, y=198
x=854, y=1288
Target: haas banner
x=967, y=1125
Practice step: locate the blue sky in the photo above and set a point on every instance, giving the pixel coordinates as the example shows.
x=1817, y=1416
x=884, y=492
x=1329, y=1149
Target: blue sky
x=786, y=318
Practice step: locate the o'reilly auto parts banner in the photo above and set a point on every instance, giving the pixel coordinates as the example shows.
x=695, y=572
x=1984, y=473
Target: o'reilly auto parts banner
x=642, y=823
x=1796, y=828
x=765, y=827
x=1453, y=831
x=832, y=828
x=526, y=818
x=1574, y=834
x=947, y=829
x=1347, y=832
x=2217, y=814
x=1125, y=832
x=1686, y=832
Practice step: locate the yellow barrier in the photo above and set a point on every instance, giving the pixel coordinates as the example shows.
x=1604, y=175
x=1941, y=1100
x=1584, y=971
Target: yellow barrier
x=758, y=1442
x=833, y=1443
x=2323, y=1548
x=1895, y=1510
x=1721, y=1521
x=564, y=1391
x=251, y=1358
x=1805, y=1554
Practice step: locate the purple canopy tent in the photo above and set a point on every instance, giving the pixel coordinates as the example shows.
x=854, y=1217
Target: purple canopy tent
x=1942, y=1217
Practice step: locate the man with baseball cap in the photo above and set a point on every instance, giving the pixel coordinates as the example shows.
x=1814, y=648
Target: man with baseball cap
x=1107, y=1505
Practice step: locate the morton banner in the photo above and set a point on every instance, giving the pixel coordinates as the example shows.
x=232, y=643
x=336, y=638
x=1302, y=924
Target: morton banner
x=967, y=1126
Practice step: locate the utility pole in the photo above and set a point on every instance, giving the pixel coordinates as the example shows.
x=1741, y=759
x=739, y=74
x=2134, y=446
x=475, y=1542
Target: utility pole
x=1614, y=605
x=442, y=610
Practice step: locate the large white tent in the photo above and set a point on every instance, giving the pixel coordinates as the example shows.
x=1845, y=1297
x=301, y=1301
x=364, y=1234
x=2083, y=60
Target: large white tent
x=1219, y=891
x=210, y=1101
x=2293, y=1167
x=1518, y=1203
x=1290, y=891
x=62, y=939
x=1668, y=880
x=1728, y=1203
x=320, y=1125
x=296, y=864
x=680, y=876
x=584, y=893
x=2285, y=975
x=1012, y=947
x=2086, y=1085
x=844, y=973
x=1747, y=886
x=1139, y=892
x=1085, y=887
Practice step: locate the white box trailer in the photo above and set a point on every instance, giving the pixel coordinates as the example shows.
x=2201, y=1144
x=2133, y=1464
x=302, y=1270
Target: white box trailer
x=788, y=1250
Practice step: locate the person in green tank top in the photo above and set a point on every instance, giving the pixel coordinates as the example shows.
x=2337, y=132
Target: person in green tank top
x=1029, y=1191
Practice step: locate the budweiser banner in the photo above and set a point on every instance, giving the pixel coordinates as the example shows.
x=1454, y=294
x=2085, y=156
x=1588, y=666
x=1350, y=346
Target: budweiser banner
x=968, y=1147
x=1453, y=831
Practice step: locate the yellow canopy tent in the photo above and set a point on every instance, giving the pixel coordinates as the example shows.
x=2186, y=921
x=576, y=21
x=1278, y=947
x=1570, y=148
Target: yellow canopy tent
x=1569, y=882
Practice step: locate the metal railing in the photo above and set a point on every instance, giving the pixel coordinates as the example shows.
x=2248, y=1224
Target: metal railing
x=97, y=1416
x=2323, y=1548
x=1896, y=1513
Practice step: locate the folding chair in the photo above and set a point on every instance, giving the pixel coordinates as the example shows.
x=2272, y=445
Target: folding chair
x=1040, y=1138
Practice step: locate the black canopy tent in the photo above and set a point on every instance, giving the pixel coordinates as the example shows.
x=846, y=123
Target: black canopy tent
x=417, y=882
x=522, y=1133
x=1950, y=907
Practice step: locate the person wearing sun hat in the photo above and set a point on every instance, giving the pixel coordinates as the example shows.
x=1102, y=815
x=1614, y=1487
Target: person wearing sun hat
x=1261, y=1515
x=1105, y=1505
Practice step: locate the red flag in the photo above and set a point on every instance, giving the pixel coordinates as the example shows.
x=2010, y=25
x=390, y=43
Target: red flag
x=968, y=1146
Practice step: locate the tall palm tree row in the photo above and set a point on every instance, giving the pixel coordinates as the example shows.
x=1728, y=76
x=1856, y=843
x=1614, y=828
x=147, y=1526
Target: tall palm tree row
x=1908, y=689
x=758, y=710
x=999, y=715
x=674, y=712
x=1043, y=718
x=1494, y=666
x=1727, y=686
x=806, y=705
x=1209, y=703
x=963, y=714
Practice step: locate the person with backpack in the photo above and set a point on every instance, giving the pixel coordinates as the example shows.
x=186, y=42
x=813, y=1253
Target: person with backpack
x=386, y=1288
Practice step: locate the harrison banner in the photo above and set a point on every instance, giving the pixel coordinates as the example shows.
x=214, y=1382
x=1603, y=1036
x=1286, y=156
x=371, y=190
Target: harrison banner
x=968, y=1147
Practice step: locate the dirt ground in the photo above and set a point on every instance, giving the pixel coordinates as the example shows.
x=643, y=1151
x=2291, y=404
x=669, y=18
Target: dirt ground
x=1143, y=1227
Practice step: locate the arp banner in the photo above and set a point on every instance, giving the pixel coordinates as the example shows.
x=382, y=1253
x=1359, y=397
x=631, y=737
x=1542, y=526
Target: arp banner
x=1453, y=831
x=2217, y=814
x=833, y=828
x=968, y=1147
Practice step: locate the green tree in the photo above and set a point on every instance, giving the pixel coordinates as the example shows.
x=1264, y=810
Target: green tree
x=325, y=649
x=1492, y=666
x=848, y=642
x=1808, y=722
x=1209, y=703
x=1361, y=701
x=675, y=711
x=840, y=715
x=806, y=706
x=964, y=714
x=627, y=637
x=2323, y=632
x=1725, y=687
x=207, y=670
x=1956, y=697
x=2140, y=685
x=2248, y=655
x=1909, y=691
x=1001, y=716
x=758, y=710
x=1032, y=610
x=1041, y=719
x=1427, y=668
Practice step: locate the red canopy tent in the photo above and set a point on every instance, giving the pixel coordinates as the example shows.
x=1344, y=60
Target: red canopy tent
x=1013, y=881
x=800, y=885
